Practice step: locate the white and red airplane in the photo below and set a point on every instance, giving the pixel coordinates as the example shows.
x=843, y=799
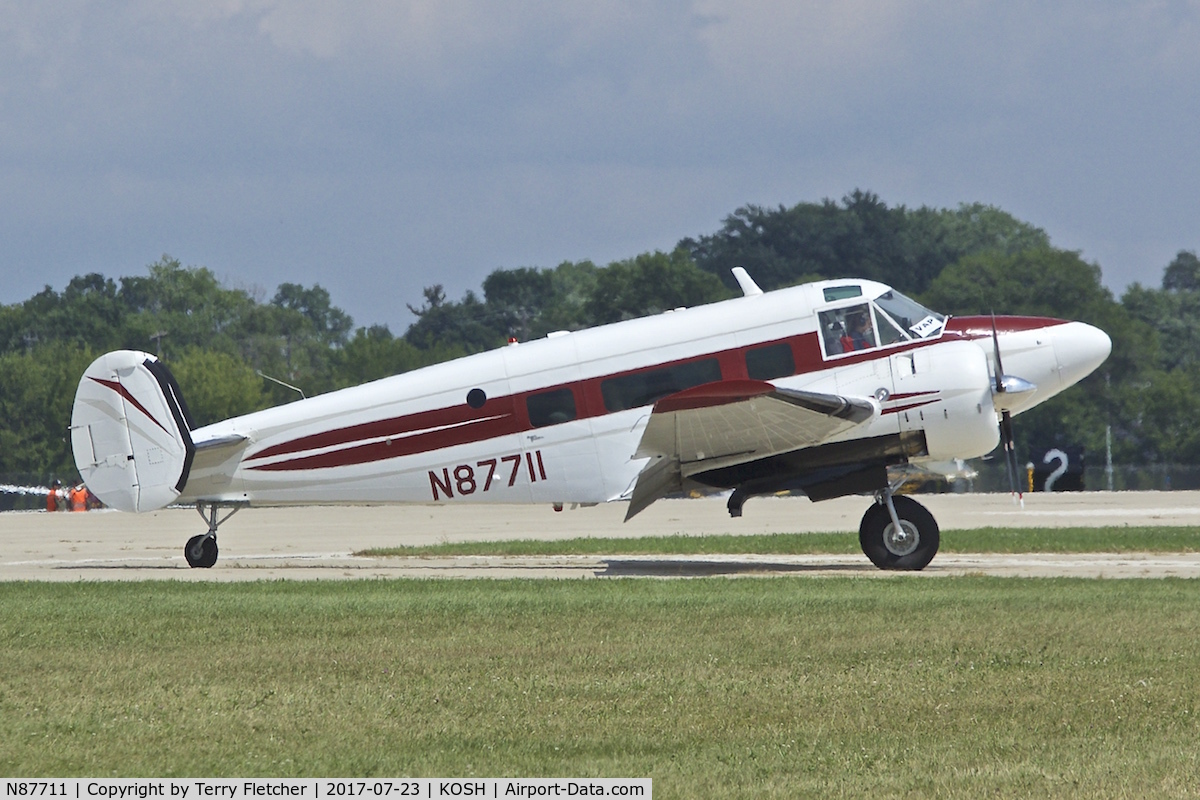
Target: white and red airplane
x=818, y=388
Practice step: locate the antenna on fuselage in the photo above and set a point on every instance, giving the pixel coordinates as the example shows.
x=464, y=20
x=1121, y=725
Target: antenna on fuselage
x=749, y=287
x=262, y=374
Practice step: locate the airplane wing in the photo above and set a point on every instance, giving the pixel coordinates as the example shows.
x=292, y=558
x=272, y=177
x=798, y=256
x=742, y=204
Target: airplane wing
x=733, y=422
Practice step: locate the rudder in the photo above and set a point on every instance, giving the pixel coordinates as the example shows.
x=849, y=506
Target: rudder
x=130, y=432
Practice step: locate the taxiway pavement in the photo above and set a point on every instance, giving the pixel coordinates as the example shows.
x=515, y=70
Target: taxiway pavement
x=318, y=542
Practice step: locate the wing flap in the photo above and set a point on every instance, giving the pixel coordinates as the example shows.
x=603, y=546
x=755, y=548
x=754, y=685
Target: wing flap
x=733, y=422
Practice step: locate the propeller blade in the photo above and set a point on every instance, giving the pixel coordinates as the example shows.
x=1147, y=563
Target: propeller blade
x=996, y=354
x=1005, y=383
x=1010, y=457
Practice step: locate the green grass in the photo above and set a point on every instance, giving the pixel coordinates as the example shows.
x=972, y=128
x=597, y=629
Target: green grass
x=960, y=687
x=1149, y=539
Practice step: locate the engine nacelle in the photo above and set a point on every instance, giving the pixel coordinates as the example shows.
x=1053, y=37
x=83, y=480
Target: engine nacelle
x=946, y=391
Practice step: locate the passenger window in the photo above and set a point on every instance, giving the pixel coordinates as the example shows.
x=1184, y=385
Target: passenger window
x=644, y=388
x=551, y=408
x=845, y=330
x=772, y=361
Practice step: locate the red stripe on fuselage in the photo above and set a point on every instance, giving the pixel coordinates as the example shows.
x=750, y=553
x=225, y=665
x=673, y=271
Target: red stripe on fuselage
x=411, y=444
x=412, y=426
x=908, y=407
x=910, y=395
x=981, y=326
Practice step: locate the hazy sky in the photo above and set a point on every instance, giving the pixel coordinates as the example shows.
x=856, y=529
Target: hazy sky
x=379, y=147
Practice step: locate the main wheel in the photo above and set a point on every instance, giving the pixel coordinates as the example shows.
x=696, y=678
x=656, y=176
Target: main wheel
x=911, y=548
x=201, y=551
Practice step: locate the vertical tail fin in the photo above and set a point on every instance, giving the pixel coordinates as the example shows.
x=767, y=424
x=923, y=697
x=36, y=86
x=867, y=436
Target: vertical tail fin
x=130, y=432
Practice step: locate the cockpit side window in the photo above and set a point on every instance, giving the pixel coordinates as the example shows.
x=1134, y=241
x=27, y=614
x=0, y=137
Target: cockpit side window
x=889, y=333
x=847, y=329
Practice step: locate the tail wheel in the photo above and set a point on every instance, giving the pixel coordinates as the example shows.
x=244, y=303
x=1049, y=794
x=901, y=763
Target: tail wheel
x=201, y=551
x=911, y=547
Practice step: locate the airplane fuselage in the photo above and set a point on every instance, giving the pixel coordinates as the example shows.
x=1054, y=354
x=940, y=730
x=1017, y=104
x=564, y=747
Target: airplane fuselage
x=557, y=420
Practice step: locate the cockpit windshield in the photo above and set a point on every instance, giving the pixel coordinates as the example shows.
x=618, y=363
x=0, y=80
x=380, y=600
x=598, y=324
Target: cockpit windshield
x=915, y=320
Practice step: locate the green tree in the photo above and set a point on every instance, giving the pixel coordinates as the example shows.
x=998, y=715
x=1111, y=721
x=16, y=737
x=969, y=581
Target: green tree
x=468, y=325
x=574, y=283
x=529, y=303
x=175, y=307
x=650, y=284
x=1183, y=273
x=979, y=228
x=1173, y=312
x=327, y=322
x=1045, y=282
x=36, y=396
x=216, y=385
x=1156, y=421
x=517, y=298
x=778, y=247
x=1156, y=409
x=88, y=312
x=860, y=238
x=375, y=353
x=1048, y=282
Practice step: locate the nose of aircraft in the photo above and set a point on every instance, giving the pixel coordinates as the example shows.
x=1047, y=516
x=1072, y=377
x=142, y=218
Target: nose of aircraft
x=1079, y=349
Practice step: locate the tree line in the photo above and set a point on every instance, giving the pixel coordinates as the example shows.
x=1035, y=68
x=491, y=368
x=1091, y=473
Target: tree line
x=234, y=352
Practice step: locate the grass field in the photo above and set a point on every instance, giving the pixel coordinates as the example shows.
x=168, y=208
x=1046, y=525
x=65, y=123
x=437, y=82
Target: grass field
x=1148, y=539
x=960, y=687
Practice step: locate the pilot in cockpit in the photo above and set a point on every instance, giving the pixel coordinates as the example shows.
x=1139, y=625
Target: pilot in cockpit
x=861, y=337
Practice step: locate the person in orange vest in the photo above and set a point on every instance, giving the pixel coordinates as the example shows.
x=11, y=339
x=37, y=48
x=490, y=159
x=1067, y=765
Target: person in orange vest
x=78, y=496
x=54, y=498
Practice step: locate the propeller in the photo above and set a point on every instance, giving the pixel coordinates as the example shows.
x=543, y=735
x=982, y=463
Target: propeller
x=1008, y=384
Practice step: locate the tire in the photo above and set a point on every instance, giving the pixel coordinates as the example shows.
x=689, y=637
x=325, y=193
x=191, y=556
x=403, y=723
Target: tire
x=914, y=551
x=201, y=551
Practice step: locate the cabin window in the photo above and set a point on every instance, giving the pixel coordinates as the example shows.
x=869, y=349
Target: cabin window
x=835, y=293
x=551, y=408
x=644, y=388
x=845, y=330
x=770, y=362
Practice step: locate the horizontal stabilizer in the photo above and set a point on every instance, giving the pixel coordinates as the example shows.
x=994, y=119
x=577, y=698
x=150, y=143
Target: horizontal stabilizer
x=218, y=442
x=130, y=432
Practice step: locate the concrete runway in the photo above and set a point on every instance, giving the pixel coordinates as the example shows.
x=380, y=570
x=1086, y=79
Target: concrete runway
x=319, y=542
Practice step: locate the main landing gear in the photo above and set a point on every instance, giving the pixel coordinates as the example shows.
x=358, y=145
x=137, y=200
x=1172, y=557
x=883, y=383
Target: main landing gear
x=201, y=550
x=898, y=533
